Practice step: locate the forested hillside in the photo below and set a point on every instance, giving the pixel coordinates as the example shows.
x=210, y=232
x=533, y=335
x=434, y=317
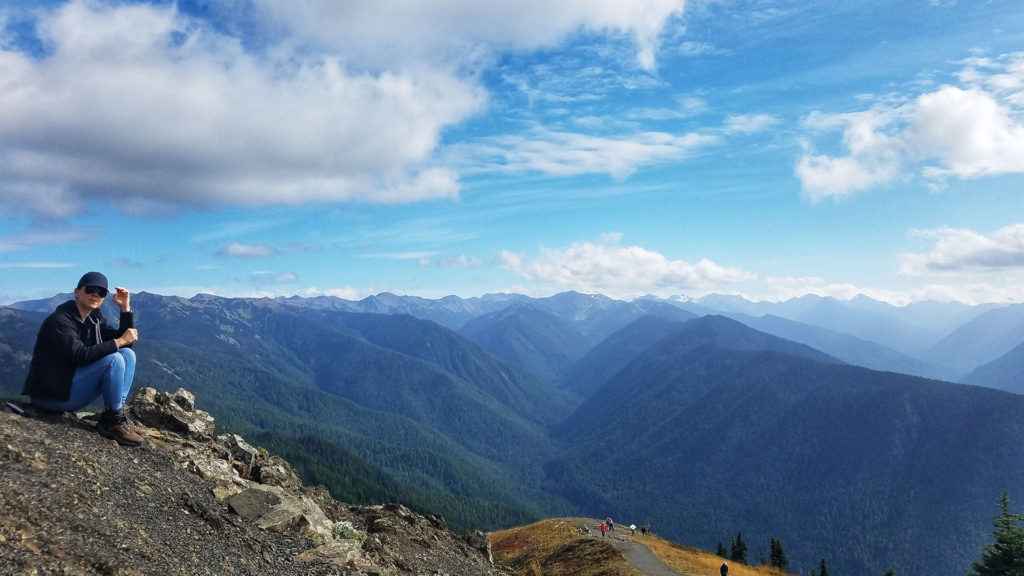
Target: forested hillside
x=583, y=405
x=718, y=429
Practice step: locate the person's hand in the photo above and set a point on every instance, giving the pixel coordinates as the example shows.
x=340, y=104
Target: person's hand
x=130, y=336
x=122, y=298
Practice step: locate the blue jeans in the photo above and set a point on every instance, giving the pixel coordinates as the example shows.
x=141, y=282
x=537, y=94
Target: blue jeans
x=109, y=377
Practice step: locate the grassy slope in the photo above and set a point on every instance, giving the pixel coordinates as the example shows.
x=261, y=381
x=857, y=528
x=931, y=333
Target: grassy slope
x=557, y=547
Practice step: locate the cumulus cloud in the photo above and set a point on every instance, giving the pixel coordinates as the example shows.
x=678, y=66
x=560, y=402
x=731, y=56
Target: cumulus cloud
x=240, y=250
x=607, y=267
x=381, y=33
x=969, y=132
x=146, y=106
x=874, y=156
x=958, y=250
x=954, y=131
x=143, y=104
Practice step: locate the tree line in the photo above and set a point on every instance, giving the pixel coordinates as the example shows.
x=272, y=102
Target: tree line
x=1003, y=556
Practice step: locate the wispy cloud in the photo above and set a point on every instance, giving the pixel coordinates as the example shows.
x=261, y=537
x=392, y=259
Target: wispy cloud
x=28, y=241
x=749, y=123
x=414, y=255
x=568, y=153
x=36, y=265
x=240, y=250
x=460, y=261
x=265, y=278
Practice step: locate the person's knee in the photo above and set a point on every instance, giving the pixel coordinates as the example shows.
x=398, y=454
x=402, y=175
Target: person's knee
x=127, y=354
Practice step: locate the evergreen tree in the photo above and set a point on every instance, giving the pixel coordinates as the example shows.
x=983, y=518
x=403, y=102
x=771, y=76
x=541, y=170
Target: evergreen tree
x=889, y=572
x=721, y=551
x=778, y=556
x=1005, y=556
x=824, y=568
x=738, y=552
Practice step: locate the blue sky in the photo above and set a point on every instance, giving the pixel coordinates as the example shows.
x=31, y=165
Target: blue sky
x=677, y=148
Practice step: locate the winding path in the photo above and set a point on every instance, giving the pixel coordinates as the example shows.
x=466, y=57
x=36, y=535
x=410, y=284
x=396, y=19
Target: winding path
x=640, y=557
x=644, y=560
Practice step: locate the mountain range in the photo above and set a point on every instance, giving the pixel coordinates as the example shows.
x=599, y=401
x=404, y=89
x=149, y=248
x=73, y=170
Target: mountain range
x=839, y=428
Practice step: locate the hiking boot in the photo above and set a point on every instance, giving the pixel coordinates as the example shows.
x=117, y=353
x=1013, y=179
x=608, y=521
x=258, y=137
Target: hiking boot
x=136, y=427
x=114, y=424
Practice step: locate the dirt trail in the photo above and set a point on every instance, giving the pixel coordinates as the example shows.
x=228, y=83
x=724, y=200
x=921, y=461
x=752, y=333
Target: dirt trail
x=644, y=560
x=640, y=556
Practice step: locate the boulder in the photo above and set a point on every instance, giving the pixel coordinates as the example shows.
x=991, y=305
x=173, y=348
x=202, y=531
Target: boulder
x=175, y=412
x=479, y=541
x=276, y=510
x=242, y=454
x=276, y=471
x=253, y=503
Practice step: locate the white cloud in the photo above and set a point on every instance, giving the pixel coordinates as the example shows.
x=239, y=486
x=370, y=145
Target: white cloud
x=956, y=250
x=607, y=267
x=460, y=261
x=414, y=255
x=874, y=156
x=750, y=123
x=969, y=132
x=382, y=33
x=240, y=250
x=180, y=113
x=287, y=103
x=265, y=278
x=963, y=132
x=568, y=153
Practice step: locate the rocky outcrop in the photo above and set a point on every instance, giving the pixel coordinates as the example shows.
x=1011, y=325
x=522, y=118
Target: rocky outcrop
x=192, y=502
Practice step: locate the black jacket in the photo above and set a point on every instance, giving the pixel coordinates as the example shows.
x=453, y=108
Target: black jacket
x=66, y=342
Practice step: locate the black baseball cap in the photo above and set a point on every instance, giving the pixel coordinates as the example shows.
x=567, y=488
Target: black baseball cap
x=93, y=279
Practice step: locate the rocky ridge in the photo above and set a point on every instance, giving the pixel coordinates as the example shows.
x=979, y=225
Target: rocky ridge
x=192, y=502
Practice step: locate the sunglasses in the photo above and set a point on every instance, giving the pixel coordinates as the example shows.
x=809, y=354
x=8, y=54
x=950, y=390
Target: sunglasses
x=96, y=290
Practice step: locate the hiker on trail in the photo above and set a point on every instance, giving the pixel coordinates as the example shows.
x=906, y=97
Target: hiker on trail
x=645, y=529
x=602, y=529
x=78, y=358
x=611, y=524
x=725, y=568
x=632, y=529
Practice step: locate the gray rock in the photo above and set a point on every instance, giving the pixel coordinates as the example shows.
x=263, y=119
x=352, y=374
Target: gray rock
x=242, y=453
x=276, y=510
x=479, y=541
x=175, y=412
x=253, y=503
x=275, y=471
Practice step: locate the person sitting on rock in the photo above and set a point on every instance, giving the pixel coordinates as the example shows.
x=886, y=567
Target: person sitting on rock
x=78, y=358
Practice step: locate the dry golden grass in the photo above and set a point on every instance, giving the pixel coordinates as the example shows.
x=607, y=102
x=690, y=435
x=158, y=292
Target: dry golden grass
x=557, y=547
x=698, y=562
